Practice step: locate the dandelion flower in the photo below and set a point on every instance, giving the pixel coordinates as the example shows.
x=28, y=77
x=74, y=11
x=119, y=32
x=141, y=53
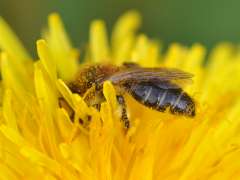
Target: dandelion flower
x=38, y=140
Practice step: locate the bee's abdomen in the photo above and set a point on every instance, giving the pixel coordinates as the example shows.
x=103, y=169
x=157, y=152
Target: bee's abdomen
x=160, y=99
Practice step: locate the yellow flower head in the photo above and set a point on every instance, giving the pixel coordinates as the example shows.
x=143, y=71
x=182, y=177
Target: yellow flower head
x=38, y=139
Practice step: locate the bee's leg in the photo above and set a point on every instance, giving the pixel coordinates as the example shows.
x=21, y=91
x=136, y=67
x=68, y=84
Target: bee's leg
x=63, y=104
x=97, y=106
x=97, y=100
x=124, y=116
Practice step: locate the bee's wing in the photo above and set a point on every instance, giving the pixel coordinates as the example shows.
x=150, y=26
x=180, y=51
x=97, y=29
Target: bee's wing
x=163, y=77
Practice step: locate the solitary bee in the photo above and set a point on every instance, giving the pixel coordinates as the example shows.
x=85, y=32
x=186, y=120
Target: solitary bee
x=157, y=88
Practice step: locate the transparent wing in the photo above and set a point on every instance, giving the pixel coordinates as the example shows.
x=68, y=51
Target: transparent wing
x=162, y=77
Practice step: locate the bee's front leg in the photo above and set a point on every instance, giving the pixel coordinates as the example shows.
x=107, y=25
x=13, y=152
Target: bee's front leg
x=124, y=116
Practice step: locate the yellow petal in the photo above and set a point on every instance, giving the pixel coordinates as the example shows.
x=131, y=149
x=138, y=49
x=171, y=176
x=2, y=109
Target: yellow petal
x=45, y=91
x=47, y=98
x=64, y=123
x=41, y=159
x=145, y=52
x=10, y=43
x=8, y=111
x=12, y=135
x=126, y=26
x=65, y=91
x=175, y=56
x=99, y=42
x=46, y=58
x=64, y=54
x=110, y=94
x=15, y=75
x=6, y=173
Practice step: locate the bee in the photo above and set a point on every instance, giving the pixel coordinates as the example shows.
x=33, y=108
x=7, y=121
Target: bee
x=157, y=88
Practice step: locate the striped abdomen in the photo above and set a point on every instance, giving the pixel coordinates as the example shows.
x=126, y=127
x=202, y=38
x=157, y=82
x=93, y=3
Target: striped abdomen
x=160, y=99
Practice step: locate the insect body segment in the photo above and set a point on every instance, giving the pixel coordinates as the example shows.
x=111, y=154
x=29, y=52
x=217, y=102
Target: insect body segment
x=124, y=116
x=160, y=99
x=157, y=88
x=91, y=76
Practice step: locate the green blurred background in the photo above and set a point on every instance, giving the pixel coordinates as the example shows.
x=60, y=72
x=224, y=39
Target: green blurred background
x=185, y=21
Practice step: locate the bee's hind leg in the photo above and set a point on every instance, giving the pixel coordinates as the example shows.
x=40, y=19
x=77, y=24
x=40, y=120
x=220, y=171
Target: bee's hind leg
x=124, y=116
